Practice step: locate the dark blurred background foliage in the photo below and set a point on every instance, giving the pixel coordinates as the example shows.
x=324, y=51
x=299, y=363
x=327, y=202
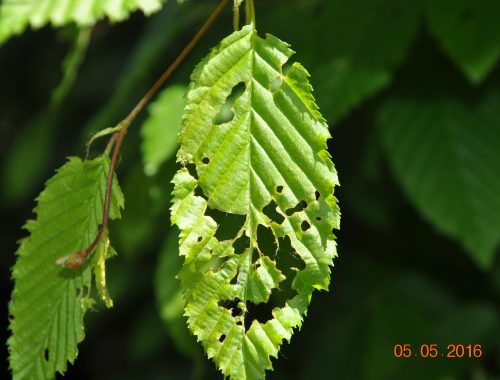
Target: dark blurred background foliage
x=411, y=90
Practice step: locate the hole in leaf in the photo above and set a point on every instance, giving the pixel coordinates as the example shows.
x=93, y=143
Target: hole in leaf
x=272, y=213
x=275, y=84
x=234, y=280
x=266, y=242
x=200, y=238
x=191, y=169
x=237, y=91
x=206, y=160
x=317, y=194
x=228, y=224
x=198, y=191
x=305, y=225
x=236, y=311
x=300, y=207
x=285, y=246
x=222, y=338
x=289, y=263
x=279, y=189
x=46, y=354
x=217, y=263
x=232, y=306
x=318, y=218
x=239, y=323
x=255, y=255
x=226, y=114
x=261, y=312
x=229, y=304
x=241, y=244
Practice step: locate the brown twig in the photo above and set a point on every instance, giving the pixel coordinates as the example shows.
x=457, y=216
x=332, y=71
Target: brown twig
x=168, y=72
x=75, y=260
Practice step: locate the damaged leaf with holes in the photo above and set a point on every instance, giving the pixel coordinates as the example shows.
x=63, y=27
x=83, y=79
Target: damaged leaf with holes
x=254, y=202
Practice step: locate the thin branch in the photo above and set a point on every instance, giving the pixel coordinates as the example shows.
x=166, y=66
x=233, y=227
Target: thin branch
x=168, y=72
x=75, y=260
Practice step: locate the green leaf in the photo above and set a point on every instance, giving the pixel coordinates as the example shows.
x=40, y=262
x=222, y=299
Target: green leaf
x=366, y=41
x=377, y=32
x=469, y=32
x=159, y=132
x=17, y=15
x=49, y=302
x=263, y=174
x=345, y=86
x=446, y=156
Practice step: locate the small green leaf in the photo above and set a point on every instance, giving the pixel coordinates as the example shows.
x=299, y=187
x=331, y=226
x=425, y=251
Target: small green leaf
x=446, y=156
x=49, y=302
x=261, y=173
x=159, y=132
x=102, y=133
x=469, y=32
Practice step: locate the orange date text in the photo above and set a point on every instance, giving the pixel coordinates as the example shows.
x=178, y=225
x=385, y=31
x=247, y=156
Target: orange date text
x=433, y=350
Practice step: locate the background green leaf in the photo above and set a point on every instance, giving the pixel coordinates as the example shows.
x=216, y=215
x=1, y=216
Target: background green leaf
x=361, y=44
x=469, y=32
x=159, y=132
x=445, y=153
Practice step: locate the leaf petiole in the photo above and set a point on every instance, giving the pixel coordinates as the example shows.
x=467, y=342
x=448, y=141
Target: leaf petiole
x=102, y=133
x=236, y=14
x=250, y=12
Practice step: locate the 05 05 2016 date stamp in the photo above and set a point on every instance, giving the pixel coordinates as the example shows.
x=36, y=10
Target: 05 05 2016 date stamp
x=433, y=350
